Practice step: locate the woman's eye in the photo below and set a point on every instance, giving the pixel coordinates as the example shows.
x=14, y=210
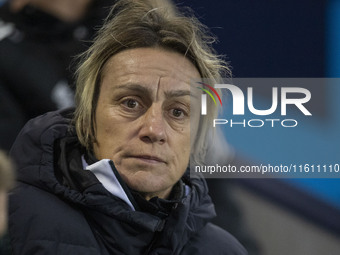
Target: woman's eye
x=177, y=113
x=130, y=103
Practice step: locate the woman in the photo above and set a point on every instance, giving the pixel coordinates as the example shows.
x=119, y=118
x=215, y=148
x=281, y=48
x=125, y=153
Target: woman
x=111, y=177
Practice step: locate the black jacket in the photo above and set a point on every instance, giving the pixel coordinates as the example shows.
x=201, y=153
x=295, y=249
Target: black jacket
x=57, y=208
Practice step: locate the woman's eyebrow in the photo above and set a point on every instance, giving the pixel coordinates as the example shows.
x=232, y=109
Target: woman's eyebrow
x=148, y=91
x=145, y=90
x=176, y=93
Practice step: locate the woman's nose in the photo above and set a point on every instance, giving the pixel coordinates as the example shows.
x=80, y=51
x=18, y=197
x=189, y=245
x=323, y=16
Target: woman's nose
x=153, y=125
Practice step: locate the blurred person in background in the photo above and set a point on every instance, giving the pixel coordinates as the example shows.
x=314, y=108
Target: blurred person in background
x=38, y=40
x=6, y=182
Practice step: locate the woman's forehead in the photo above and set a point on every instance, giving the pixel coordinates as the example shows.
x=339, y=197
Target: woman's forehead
x=150, y=63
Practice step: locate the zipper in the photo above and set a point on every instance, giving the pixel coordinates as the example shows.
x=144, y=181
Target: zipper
x=155, y=238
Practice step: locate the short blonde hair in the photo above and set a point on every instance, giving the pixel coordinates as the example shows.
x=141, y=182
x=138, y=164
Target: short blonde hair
x=6, y=172
x=137, y=24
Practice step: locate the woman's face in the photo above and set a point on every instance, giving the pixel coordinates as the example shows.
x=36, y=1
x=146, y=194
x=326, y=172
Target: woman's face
x=143, y=118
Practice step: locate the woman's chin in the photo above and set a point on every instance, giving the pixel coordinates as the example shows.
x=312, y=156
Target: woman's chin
x=147, y=185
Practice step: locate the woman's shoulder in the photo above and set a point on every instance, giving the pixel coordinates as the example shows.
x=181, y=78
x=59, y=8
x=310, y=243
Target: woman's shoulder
x=38, y=218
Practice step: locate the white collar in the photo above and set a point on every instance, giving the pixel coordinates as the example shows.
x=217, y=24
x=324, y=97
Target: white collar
x=104, y=173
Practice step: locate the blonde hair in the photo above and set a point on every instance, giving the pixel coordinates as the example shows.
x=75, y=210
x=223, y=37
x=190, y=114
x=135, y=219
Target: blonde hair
x=137, y=24
x=6, y=172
